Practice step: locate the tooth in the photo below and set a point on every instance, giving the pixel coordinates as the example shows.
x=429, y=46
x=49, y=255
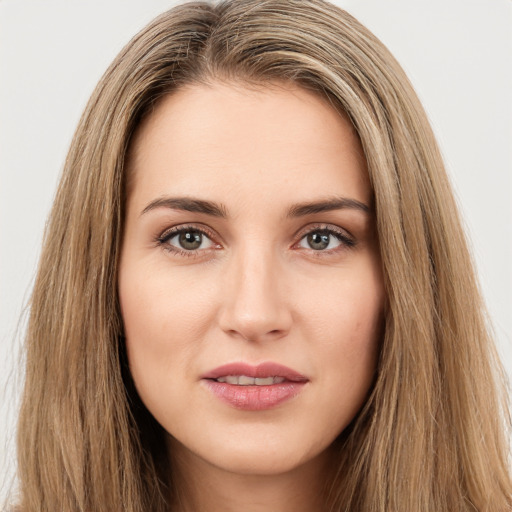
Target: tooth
x=267, y=381
x=243, y=380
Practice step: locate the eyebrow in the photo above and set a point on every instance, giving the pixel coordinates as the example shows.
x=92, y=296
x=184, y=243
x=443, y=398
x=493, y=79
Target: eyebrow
x=218, y=210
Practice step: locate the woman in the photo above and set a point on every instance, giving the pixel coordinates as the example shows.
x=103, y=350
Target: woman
x=273, y=156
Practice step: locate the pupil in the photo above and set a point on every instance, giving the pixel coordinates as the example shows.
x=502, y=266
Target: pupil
x=190, y=240
x=318, y=241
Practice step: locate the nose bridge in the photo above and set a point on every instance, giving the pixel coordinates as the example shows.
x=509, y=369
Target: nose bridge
x=254, y=305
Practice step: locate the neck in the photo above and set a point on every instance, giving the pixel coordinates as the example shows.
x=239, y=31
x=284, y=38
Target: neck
x=202, y=486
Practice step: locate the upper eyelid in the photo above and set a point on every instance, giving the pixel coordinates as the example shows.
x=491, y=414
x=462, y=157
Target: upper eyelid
x=169, y=232
x=321, y=227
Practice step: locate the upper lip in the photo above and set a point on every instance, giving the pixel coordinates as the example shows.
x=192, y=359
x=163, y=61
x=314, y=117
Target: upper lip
x=263, y=370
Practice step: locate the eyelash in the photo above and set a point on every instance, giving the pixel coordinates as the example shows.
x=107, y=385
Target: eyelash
x=346, y=241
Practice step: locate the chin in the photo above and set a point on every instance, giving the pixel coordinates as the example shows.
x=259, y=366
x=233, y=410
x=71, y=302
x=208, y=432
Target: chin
x=252, y=461
x=262, y=453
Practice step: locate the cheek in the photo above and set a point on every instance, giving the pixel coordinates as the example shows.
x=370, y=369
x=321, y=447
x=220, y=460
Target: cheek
x=163, y=320
x=346, y=326
x=352, y=352
x=160, y=306
x=348, y=309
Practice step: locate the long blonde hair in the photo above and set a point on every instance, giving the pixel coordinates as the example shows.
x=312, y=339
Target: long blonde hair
x=431, y=437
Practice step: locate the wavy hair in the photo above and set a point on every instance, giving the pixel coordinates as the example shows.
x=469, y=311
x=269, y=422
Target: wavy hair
x=432, y=435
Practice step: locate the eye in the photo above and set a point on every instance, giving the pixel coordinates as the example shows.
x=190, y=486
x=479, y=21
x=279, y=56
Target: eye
x=185, y=239
x=325, y=240
x=191, y=241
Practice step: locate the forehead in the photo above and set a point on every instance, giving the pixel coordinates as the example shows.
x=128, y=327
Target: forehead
x=225, y=140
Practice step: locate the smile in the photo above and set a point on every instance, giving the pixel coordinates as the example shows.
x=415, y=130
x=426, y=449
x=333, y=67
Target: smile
x=254, y=388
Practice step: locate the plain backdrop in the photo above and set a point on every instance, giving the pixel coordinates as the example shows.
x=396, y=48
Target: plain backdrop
x=458, y=54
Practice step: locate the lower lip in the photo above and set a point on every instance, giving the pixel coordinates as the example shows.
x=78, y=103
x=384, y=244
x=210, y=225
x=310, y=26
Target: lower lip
x=254, y=398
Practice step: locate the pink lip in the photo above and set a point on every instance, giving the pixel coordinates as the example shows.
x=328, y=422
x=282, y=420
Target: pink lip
x=262, y=370
x=255, y=398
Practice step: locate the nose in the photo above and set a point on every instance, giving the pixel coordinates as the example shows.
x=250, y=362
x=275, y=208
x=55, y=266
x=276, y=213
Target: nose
x=255, y=305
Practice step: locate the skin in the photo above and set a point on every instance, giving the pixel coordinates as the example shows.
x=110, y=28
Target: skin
x=255, y=290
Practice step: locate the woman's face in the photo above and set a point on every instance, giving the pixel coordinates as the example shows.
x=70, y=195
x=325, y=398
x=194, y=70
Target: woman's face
x=250, y=281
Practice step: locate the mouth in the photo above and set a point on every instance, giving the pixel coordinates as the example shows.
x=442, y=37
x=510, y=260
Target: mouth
x=254, y=388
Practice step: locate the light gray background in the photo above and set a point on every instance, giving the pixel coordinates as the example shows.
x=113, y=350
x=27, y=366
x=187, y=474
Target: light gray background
x=458, y=54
